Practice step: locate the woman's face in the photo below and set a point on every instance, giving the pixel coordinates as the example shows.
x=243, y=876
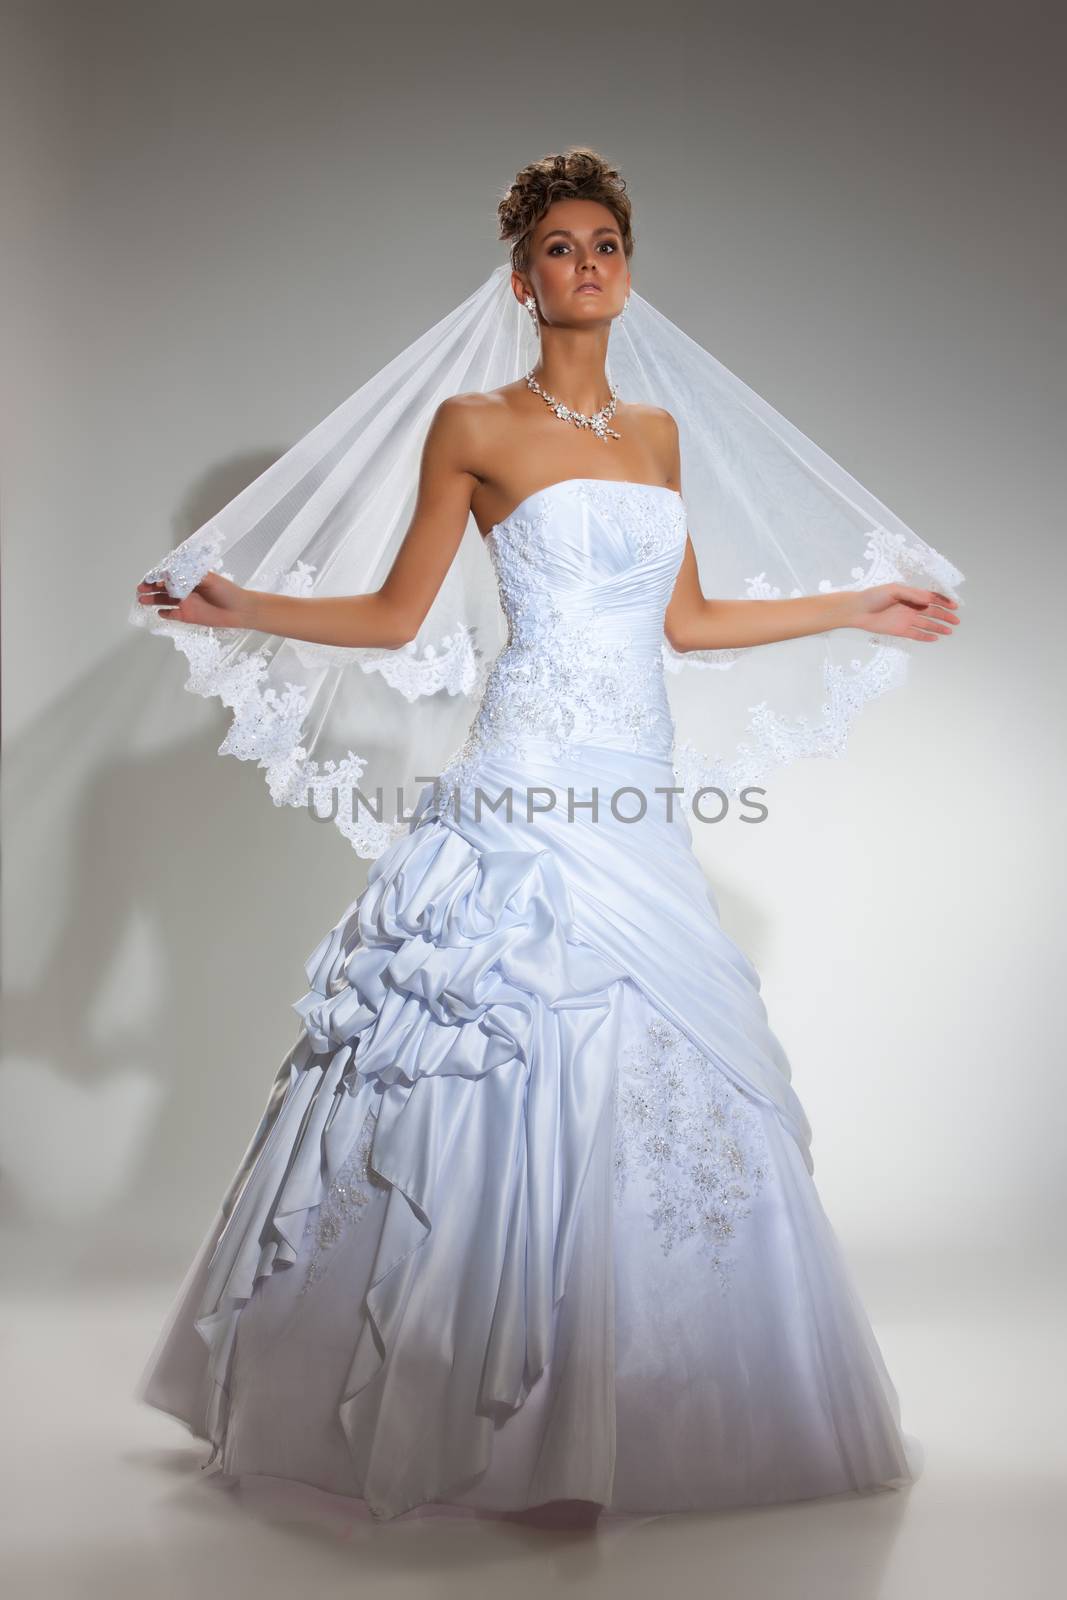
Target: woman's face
x=577, y=242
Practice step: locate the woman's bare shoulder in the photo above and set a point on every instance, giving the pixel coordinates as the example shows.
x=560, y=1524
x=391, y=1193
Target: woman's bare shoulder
x=654, y=417
x=485, y=402
x=479, y=420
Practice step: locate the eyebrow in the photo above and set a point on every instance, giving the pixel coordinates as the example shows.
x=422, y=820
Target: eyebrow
x=567, y=234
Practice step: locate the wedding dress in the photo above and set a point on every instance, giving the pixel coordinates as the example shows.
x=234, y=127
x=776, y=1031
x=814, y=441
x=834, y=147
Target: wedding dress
x=530, y=1215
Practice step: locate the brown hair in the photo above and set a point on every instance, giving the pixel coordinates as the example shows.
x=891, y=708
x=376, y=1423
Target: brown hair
x=576, y=174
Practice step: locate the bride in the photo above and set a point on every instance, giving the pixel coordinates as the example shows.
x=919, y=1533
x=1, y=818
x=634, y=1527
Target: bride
x=529, y=1219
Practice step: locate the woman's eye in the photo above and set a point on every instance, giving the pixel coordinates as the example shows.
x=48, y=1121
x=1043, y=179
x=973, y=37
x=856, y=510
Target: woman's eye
x=610, y=243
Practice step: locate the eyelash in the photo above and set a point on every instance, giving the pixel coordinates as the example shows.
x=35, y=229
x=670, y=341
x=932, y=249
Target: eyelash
x=559, y=245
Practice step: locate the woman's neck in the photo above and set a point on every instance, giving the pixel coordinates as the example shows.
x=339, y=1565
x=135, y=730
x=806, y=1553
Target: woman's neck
x=574, y=372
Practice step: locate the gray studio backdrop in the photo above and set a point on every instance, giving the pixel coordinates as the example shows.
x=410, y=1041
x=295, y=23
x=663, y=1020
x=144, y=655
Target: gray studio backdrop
x=219, y=220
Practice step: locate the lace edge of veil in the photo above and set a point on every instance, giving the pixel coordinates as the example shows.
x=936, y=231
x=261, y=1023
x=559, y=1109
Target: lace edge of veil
x=267, y=727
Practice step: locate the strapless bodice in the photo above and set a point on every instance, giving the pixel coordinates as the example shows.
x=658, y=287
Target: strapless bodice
x=647, y=511
x=585, y=569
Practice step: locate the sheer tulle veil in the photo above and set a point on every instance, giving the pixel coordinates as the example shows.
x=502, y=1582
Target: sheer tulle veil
x=355, y=733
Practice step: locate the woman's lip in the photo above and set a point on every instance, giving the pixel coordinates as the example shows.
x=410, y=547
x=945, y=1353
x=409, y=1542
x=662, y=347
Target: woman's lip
x=594, y=287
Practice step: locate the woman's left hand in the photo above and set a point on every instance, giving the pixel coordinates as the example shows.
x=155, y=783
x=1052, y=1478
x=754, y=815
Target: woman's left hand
x=905, y=612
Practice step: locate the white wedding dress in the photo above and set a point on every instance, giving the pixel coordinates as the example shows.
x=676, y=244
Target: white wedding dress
x=530, y=1215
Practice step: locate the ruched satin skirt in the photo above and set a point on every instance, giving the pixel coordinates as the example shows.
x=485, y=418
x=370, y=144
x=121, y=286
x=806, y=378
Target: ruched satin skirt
x=529, y=1215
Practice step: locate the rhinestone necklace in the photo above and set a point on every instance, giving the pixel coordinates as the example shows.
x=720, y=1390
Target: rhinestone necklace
x=598, y=421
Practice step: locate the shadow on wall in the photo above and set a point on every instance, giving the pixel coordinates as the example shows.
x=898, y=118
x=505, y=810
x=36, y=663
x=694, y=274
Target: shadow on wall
x=163, y=909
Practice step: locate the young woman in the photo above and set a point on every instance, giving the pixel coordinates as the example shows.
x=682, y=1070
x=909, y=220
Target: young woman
x=529, y=1220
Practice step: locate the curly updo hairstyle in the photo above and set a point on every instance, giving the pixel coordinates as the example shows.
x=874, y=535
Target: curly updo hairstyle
x=576, y=174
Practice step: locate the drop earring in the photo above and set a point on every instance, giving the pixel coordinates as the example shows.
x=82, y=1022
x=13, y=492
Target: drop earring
x=531, y=305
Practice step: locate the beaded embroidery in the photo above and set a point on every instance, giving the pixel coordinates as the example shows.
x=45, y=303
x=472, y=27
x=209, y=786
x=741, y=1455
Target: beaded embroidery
x=697, y=1138
x=652, y=527
x=569, y=675
x=348, y=1195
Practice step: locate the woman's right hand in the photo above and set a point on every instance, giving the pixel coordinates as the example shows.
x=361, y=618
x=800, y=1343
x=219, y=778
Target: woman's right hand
x=216, y=602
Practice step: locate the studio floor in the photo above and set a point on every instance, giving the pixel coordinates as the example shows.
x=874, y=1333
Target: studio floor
x=104, y=1497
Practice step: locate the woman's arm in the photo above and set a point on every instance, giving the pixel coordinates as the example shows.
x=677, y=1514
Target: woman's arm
x=693, y=622
x=387, y=617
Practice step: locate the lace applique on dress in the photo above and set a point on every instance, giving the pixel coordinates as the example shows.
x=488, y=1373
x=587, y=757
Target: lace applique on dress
x=654, y=522
x=568, y=676
x=348, y=1195
x=696, y=1137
